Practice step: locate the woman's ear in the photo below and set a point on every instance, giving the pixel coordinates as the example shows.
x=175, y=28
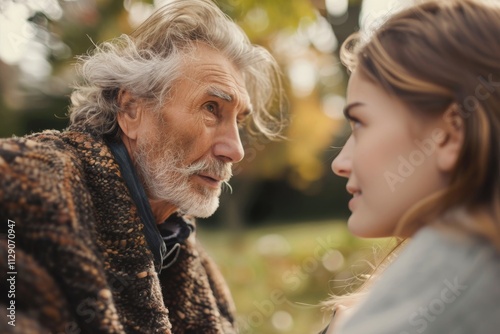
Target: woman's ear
x=451, y=140
x=130, y=114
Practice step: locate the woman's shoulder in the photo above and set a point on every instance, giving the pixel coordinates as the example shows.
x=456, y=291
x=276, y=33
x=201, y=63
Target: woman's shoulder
x=435, y=253
x=439, y=262
x=440, y=281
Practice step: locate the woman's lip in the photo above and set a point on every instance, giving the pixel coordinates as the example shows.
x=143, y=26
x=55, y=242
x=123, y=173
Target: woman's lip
x=354, y=200
x=352, y=190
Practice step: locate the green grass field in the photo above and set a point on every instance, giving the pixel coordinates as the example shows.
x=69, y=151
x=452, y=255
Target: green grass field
x=278, y=275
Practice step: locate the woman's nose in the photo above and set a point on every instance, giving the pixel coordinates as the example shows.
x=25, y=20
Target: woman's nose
x=342, y=164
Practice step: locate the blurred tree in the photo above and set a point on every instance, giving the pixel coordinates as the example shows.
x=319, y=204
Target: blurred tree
x=39, y=42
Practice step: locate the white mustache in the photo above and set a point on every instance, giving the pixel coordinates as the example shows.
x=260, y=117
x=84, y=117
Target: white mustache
x=216, y=168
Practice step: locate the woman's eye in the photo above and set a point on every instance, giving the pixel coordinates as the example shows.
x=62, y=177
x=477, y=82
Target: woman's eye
x=355, y=124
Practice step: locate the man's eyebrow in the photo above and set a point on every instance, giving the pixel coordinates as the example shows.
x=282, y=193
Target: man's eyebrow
x=217, y=92
x=348, y=108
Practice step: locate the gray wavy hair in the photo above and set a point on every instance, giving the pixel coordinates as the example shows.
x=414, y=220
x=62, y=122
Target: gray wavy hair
x=147, y=63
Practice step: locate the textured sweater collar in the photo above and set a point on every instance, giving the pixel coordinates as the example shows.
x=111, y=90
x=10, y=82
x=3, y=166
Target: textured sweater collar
x=164, y=239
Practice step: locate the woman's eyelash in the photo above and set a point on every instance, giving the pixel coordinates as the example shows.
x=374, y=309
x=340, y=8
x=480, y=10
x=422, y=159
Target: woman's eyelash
x=353, y=121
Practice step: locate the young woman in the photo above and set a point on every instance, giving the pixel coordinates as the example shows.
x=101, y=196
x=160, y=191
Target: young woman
x=423, y=165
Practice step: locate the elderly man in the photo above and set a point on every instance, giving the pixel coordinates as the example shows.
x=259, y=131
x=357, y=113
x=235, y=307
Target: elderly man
x=100, y=238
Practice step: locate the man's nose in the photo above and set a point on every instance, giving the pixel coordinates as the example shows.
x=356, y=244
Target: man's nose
x=228, y=146
x=342, y=164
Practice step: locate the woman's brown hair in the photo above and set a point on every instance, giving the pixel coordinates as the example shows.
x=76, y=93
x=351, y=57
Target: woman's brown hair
x=435, y=57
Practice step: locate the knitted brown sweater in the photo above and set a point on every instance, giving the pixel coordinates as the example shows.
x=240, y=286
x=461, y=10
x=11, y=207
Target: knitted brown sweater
x=82, y=262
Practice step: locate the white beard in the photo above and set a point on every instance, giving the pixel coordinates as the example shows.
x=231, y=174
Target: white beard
x=159, y=164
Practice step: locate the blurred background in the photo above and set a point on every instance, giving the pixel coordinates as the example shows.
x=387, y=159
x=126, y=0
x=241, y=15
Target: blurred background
x=280, y=237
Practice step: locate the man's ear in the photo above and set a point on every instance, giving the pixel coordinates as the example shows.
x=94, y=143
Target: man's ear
x=451, y=139
x=130, y=114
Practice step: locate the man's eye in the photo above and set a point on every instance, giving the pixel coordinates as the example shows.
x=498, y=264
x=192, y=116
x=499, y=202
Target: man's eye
x=211, y=107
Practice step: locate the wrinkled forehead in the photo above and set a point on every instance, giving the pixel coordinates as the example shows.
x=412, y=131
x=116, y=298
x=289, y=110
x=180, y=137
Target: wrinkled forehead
x=208, y=70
